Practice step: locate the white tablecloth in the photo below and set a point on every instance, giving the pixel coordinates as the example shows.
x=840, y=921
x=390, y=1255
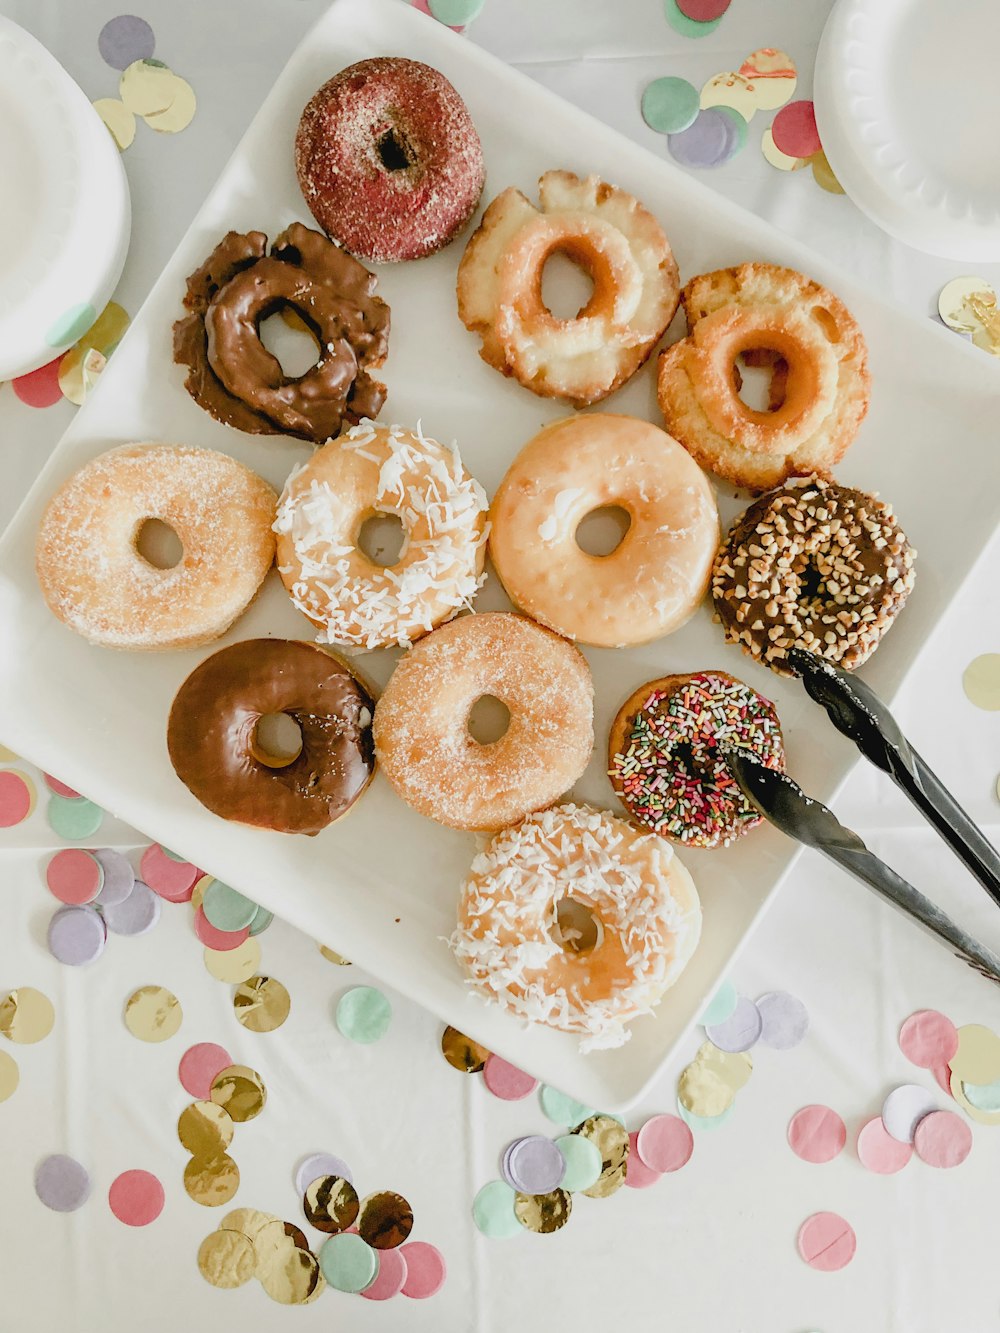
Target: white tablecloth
x=710, y=1248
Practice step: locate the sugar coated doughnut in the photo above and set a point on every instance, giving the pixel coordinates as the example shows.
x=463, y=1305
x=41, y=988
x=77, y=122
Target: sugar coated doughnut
x=653, y=581
x=381, y=470
x=516, y=951
x=93, y=576
x=213, y=744
x=664, y=763
x=421, y=721
x=615, y=240
x=389, y=160
x=769, y=315
x=812, y=565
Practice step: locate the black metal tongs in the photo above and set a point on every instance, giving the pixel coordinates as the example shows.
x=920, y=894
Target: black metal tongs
x=862, y=717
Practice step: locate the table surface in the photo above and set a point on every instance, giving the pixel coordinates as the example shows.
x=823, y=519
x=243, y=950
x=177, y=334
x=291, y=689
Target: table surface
x=712, y=1247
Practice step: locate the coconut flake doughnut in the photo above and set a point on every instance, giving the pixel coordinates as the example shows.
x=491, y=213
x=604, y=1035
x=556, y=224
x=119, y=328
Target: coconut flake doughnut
x=643, y=902
x=653, y=581
x=820, y=359
x=620, y=245
x=388, y=159
x=93, y=576
x=421, y=721
x=376, y=469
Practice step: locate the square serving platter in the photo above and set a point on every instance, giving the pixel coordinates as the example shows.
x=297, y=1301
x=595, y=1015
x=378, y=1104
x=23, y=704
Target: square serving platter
x=381, y=884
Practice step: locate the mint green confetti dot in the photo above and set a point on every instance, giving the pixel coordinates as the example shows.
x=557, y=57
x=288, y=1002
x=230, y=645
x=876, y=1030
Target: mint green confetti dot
x=225, y=908
x=74, y=819
x=456, y=13
x=262, y=919
x=173, y=855
x=721, y=1006
x=983, y=1096
x=493, y=1211
x=70, y=325
x=363, y=1014
x=348, y=1263
x=705, y=1121
x=562, y=1109
x=583, y=1162
x=670, y=105
x=685, y=26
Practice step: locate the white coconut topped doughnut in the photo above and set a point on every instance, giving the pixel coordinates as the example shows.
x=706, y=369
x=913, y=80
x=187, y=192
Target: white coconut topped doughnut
x=376, y=469
x=642, y=899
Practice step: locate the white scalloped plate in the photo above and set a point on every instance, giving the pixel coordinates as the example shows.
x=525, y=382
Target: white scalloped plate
x=907, y=99
x=65, y=215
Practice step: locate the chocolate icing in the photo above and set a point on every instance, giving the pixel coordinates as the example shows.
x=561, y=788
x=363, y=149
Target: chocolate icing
x=233, y=376
x=214, y=715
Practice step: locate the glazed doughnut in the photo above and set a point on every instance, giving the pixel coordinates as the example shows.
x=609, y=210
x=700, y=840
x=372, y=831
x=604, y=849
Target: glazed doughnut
x=388, y=159
x=817, y=345
x=95, y=580
x=653, y=581
x=812, y=565
x=663, y=762
x=642, y=899
x=610, y=235
x=211, y=735
x=233, y=376
x=386, y=470
x=421, y=721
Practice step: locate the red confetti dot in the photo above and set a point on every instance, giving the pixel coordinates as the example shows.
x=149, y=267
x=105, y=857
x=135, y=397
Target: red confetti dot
x=60, y=788
x=136, y=1198
x=172, y=880
x=74, y=876
x=40, y=388
x=199, y=1066
x=391, y=1278
x=794, y=130
x=221, y=940
x=506, y=1081
x=426, y=1269
x=638, y=1175
x=16, y=798
x=703, y=11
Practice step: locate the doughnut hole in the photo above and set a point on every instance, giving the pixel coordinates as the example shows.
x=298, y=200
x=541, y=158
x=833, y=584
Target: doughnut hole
x=158, y=544
x=277, y=740
x=813, y=597
x=489, y=718
x=382, y=538
x=290, y=340
x=602, y=531
x=576, y=929
x=393, y=151
x=760, y=378
x=567, y=284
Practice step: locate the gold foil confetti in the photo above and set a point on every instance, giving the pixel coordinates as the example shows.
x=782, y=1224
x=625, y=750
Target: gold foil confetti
x=205, y=1129
x=823, y=174
x=733, y=90
x=983, y=306
x=234, y=965
x=701, y=1091
x=331, y=1204
x=462, y=1052
x=969, y=305
x=198, y=892
x=776, y=157
x=226, y=1259
x=261, y=1004
x=250, y=1221
x=611, y=1141
x=152, y=1013
x=180, y=113
x=773, y=75
x=543, y=1212
x=733, y=1068
x=287, y=1270
x=78, y=369
x=9, y=1076
x=385, y=1220
x=977, y=1059
x=147, y=87
x=241, y=1091
x=26, y=1016
x=119, y=120
x=331, y=955
x=212, y=1181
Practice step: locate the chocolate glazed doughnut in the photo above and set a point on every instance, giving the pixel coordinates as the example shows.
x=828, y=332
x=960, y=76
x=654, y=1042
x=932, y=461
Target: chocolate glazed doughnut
x=211, y=735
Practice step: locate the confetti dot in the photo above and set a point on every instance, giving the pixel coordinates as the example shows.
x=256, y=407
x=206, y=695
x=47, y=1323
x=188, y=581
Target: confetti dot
x=981, y=679
x=928, y=1039
x=124, y=39
x=705, y=1121
x=456, y=13
x=669, y=105
x=120, y=124
x=721, y=1005
x=62, y=1183
x=685, y=26
x=74, y=876
x=320, y=1164
x=879, y=1151
x=784, y=1020
x=348, y=1263
x=172, y=879
x=777, y=158
x=816, y=1134
x=71, y=324
x=707, y=142
x=261, y=920
x=39, y=388
x=60, y=789
x=76, y=936
x=506, y=1081
x=583, y=1162
x=226, y=909
x=534, y=1165
x=136, y=1198
x=180, y=112
x=234, y=966
x=826, y=1242
x=17, y=797
x=74, y=820
x=9, y=1076
x=563, y=1110
x=423, y=7
x=740, y=1030
x=426, y=1270
x=904, y=1108
x=200, y=1065
x=137, y=915
x=363, y=1014
x=983, y=1098
x=794, y=130
x=147, y=87
x=391, y=1278
x=942, y=1139
x=977, y=1059
x=773, y=75
x=703, y=11
x=823, y=174
x=261, y=1004
x=226, y=1259
x=152, y=1013
x=638, y=1175
x=220, y=940
x=77, y=367
x=732, y=90
x=664, y=1143
x=119, y=877
x=493, y=1211
x=26, y=1016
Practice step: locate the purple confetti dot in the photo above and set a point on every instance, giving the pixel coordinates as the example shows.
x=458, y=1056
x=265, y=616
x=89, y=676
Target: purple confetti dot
x=740, y=1030
x=77, y=935
x=137, y=914
x=534, y=1165
x=784, y=1020
x=62, y=1183
x=320, y=1164
x=707, y=142
x=119, y=877
x=125, y=39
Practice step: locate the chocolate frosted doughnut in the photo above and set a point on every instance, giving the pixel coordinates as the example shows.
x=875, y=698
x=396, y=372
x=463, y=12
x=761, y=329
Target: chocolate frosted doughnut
x=211, y=735
x=233, y=376
x=389, y=160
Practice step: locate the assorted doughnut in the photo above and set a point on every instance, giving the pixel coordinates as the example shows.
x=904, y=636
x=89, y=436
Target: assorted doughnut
x=570, y=916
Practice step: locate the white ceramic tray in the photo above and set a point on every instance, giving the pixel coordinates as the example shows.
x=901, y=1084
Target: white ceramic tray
x=381, y=885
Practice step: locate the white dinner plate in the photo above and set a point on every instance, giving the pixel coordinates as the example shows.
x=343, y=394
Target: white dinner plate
x=380, y=886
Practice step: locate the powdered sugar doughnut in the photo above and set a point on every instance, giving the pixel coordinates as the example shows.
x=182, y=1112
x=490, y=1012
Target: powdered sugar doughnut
x=389, y=160
x=376, y=469
x=93, y=576
x=422, y=738
x=643, y=901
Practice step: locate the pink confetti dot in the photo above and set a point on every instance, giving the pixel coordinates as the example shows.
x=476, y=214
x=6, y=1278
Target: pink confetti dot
x=703, y=11
x=942, y=1139
x=879, y=1151
x=664, y=1143
x=928, y=1039
x=426, y=1270
x=16, y=798
x=826, y=1242
x=60, y=788
x=391, y=1277
x=638, y=1175
x=172, y=880
x=199, y=1066
x=816, y=1134
x=74, y=876
x=794, y=130
x=942, y=1076
x=222, y=940
x=424, y=8
x=506, y=1081
x=40, y=388
x=136, y=1198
